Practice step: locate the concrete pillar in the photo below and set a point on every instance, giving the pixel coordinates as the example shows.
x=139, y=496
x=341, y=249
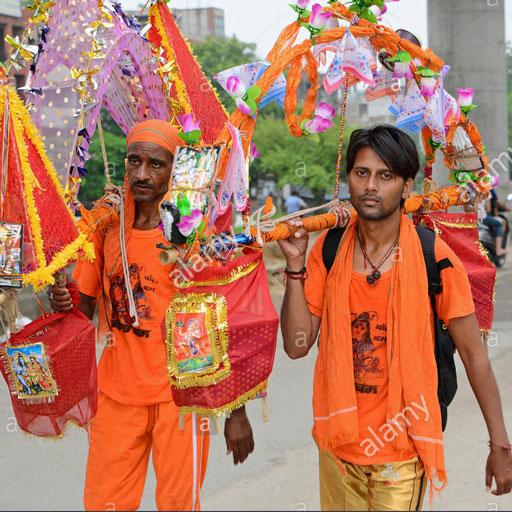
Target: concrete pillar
x=470, y=36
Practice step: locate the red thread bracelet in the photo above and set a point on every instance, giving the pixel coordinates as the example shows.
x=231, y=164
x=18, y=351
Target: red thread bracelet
x=301, y=275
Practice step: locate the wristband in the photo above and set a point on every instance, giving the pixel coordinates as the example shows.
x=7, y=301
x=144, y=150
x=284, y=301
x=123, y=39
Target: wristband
x=296, y=276
x=507, y=447
x=295, y=273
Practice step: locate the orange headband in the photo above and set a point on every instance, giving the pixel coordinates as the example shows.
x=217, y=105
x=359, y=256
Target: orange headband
x=158, y=132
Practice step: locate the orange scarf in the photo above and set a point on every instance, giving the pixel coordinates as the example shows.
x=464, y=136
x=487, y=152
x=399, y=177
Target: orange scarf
x=410, y=350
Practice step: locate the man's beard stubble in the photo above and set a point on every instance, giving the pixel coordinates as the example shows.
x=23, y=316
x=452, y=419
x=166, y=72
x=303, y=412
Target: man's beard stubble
x=375, y=214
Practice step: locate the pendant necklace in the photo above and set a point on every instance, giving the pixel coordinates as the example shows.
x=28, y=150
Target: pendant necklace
x=376, y=274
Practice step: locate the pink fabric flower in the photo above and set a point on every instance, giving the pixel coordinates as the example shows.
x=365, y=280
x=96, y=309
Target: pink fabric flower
x=318, y=18
x=466, y=96
x=235, y=87
x=428, y=84
x=255, y=153
x=188, y=223
x=377, y=11
x=325, y=110
x=188, y=123
x=402, y=69
x=318, y=125
x=302, y=4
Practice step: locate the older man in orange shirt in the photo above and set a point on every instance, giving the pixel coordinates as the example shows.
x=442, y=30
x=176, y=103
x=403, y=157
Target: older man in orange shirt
x=136, y=414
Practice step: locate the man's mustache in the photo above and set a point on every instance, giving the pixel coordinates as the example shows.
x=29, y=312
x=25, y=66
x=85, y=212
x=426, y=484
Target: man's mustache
x=145, y=184
x=373, y=198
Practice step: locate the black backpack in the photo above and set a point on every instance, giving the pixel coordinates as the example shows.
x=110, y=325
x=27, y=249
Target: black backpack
x=444, y=347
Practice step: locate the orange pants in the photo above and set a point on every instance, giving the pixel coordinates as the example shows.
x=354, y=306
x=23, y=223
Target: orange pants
x=120, y=440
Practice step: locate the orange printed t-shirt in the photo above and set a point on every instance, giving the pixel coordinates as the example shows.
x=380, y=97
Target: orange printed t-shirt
x=368, y=311
x=133, y=369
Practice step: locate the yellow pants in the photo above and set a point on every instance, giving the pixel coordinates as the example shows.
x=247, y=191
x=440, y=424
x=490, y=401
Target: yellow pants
x=394, y=486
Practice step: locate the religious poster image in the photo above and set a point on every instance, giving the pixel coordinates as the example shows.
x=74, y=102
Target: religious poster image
x=193, y=348
x=30, y=372
x=11, y=252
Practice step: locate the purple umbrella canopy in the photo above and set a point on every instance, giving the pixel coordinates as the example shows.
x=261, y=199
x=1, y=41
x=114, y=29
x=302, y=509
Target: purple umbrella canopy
x=89, y=58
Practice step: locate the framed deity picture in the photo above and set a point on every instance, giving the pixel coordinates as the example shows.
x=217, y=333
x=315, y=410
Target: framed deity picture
x=11, y=254
x=30, y=372
x=197, y=339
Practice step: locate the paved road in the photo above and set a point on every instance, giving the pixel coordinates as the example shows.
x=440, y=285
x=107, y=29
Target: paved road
x=282, y=473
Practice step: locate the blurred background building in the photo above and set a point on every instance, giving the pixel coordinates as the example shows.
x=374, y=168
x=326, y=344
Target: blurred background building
x=196, y=24
x=470, y=36
x=13, y=20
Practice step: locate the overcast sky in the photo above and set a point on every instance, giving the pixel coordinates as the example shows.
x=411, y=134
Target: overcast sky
x=260, y=21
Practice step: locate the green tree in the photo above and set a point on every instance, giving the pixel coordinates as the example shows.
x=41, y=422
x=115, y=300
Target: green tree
x=217, y=54
x=296, y=161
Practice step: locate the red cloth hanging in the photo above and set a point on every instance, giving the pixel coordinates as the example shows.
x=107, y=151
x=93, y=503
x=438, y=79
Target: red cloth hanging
x=460, y=232
x=251, y=328
x=68, y=361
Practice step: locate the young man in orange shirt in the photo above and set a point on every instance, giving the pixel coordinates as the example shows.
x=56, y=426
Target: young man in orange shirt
x=136, y=414
x=377, y=419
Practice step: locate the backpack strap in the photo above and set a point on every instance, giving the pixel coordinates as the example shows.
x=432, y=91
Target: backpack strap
x=427, y=238
x=330, y=247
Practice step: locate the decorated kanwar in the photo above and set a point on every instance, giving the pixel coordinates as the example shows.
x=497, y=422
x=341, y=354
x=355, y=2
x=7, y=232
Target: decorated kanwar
x=165, y=274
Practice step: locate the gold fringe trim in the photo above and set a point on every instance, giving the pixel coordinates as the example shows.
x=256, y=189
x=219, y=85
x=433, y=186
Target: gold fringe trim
x=29, y=182
x=45, y=275
x=35, y=138
x=181, y=91
x=234, y=275
x=42, y=276
x=230, y=407
x=471, y=225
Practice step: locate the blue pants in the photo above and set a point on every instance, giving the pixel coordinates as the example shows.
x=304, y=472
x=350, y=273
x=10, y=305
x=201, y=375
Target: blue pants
x=495, y=224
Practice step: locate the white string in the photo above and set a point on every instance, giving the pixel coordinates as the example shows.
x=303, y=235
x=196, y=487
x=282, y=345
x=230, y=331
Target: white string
x=124, y=260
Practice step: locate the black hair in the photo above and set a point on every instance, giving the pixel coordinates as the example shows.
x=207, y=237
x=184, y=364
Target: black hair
x=394, y=147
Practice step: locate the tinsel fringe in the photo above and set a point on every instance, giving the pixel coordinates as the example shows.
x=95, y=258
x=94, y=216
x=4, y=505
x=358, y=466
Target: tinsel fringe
x=81, y=247
x=228, y=408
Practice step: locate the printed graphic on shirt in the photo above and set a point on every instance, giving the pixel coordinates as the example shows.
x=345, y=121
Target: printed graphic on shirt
x=140, y=283
x=367, y=336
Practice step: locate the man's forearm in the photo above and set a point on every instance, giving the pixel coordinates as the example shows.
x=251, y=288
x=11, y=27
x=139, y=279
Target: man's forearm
x=466, y=335
x=296, y=324
x=483, y=383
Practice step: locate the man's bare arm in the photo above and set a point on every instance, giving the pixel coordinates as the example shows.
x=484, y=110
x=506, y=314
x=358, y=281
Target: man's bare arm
x=298, y=325
x=466, y=336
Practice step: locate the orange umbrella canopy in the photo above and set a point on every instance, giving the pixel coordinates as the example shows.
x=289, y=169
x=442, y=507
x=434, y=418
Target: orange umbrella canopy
x=31, y=195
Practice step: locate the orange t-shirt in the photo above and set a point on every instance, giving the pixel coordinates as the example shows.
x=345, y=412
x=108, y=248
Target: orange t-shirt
x=132, y=370
x=368, y=310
